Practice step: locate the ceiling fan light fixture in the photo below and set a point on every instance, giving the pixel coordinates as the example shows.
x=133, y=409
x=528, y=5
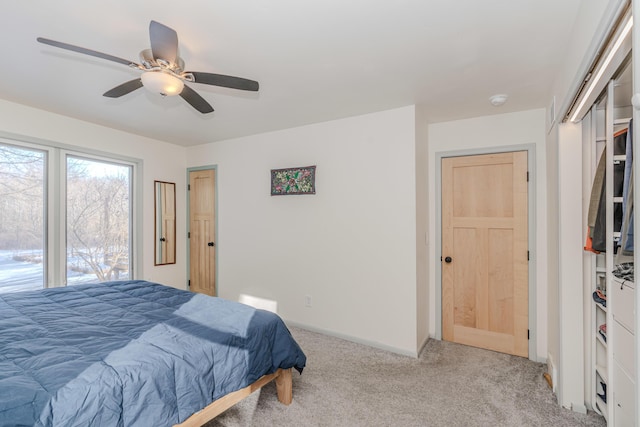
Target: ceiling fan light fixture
x=163, y=70
x=163, y=83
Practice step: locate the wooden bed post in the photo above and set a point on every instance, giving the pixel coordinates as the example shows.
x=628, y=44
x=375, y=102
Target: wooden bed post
x=284, y=386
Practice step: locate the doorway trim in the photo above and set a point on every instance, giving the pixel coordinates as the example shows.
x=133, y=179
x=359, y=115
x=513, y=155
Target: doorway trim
x=531, y=198
x=215, y=234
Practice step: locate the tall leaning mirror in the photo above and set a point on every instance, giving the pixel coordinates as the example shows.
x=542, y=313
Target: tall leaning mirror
x=165, y=222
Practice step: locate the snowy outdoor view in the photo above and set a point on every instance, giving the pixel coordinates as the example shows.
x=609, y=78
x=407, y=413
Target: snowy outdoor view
x=97, y=219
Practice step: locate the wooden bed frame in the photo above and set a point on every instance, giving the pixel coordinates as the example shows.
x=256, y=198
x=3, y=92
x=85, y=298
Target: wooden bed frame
x=284, y=388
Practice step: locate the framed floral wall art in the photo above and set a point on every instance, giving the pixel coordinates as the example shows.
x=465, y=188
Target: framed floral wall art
x=300, y=180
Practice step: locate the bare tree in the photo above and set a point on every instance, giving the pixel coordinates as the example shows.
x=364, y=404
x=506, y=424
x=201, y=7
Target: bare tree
x=21, y=198
x=98, y=210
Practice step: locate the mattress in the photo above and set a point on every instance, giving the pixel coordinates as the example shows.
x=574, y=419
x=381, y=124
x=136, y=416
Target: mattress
x=130, y=353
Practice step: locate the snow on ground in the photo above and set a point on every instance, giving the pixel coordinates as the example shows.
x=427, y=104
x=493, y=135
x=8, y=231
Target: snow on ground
x=28, y=276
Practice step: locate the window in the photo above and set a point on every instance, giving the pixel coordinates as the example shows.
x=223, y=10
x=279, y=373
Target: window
x=65, y=217
x=98, y=220
x=22, y=207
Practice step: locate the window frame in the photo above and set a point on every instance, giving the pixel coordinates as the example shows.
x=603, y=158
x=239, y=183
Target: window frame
x=55, y=176
x=64, y=156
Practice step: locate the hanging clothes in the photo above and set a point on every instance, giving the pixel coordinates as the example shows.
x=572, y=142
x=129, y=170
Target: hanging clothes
x=597, y=227
x=626, y=237
x=628, y=247
x=626, y=232
x=596, y=191
x=599, y=230
x=627, y=167
x=588, y=246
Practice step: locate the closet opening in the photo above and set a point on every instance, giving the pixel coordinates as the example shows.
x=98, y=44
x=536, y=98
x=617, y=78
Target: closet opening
x=610, y=357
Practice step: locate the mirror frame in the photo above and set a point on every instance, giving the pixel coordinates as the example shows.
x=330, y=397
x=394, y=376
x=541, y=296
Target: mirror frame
x=164, y=252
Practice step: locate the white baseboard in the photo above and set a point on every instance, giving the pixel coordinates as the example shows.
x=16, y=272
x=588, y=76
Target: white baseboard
x=540, y=359
x=356, y=340
x=575, y=407
x=424, y=344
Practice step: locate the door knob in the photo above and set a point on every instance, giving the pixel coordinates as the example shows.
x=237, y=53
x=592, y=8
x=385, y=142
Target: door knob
x=210, y=244
x=162, y=239
x=448, y=259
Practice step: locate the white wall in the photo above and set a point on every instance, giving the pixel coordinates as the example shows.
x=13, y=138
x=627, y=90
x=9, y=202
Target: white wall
x=422, y=227
x=351, y=246
x=161, y=161
x=571, y=236
x=553, y=255
x=480, y=133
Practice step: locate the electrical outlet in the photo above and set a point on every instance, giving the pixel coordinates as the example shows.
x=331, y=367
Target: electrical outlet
x=308, y=302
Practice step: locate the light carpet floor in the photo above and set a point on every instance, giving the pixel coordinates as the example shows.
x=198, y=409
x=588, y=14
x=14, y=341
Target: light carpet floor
x=348, y=384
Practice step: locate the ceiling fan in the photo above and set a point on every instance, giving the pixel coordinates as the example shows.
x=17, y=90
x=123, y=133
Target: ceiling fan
x=163, y=70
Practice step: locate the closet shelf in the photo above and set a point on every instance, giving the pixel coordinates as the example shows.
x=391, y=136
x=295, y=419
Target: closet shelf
x=601, y=341
x=602, y=372
x=622, y=121
x=621, y=281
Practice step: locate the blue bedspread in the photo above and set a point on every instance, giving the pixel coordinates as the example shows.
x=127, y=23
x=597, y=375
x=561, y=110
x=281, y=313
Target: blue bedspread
x=130, y=353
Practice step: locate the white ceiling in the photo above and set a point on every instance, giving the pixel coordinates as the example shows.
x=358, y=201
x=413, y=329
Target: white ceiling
x=316, y=60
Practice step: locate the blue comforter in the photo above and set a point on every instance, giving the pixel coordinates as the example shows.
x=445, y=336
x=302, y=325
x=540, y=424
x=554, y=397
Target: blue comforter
x=130, y=354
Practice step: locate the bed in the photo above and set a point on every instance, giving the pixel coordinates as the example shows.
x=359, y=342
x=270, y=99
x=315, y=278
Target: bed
x=135, y=353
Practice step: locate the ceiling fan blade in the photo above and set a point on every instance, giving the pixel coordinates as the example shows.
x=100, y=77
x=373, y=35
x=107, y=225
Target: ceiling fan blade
x=195, y=100
x=88, y=52
x=123, y=89
x=224, y=81
x=164, y=42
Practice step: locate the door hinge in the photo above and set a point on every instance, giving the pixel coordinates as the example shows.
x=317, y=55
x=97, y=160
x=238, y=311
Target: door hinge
x=188, y=234
x=189, y=186
x=188, y=284
x=527, y=176
x=527, y=255
x=528, y=335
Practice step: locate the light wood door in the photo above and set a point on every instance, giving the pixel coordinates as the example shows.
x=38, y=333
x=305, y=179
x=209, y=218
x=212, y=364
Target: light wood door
x=485, y=251
x=202, y=249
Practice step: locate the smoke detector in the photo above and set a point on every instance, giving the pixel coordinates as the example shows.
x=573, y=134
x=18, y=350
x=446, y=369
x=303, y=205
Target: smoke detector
x=498, y=100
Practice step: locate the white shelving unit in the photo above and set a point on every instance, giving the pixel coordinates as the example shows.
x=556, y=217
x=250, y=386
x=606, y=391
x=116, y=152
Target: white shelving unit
x=613, y=375
x=623, y=342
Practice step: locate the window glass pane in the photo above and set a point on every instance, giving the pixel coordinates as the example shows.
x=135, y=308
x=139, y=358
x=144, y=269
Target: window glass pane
x=22, y=173
x=98, y=220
